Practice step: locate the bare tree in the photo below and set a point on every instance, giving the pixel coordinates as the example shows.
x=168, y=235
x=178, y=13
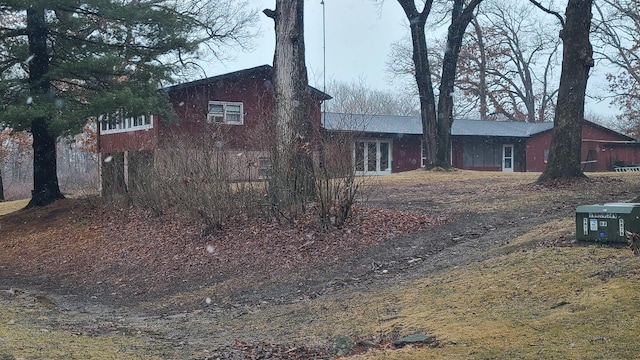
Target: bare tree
x=616, y=33
x=461, y=15
x=577, y=60
x=519, y=88
x=505, y=65
x=292, y=180
x=357, y=97
x=436, y=124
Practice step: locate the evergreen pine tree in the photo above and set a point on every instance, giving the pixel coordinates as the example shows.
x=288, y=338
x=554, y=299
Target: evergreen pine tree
x=64, y=62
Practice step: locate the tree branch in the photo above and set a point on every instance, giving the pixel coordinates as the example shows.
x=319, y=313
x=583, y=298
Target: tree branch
x=548, y=11
x=270, y=13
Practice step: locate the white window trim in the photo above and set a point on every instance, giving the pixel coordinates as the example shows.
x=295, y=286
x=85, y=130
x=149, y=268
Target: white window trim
x=378, y=171
x=125, y=125
x=512, y=158
x=210, y=117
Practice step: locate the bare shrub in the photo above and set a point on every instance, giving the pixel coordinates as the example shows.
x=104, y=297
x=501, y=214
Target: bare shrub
x=202, y=180
x=338, y=187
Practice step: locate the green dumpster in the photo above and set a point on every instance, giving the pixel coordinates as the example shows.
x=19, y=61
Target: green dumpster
x=607, y=222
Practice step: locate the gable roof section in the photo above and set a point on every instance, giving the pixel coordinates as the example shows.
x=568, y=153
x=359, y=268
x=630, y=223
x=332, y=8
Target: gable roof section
x=263, y=72
x=412, y=125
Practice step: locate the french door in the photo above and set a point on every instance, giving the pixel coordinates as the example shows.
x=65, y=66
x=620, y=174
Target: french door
x=372, y=157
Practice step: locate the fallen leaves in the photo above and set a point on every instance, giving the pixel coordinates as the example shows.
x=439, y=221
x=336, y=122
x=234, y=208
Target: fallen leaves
x=131, y=254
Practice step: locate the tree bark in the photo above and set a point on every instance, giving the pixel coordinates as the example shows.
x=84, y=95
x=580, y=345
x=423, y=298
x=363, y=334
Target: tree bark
x=436, y=125
x=460, y=18
x=577, y=60
x=45, y=179
x=417, y=21
x=292, y=180
x=1, y=187
x=482, y=69
x=426, y=94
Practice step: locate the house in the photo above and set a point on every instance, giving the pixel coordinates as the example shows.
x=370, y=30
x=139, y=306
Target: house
x=229, y=112
x=387, y=144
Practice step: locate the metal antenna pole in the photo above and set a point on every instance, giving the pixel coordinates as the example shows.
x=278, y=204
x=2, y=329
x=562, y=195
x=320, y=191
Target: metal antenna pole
x=324, y=58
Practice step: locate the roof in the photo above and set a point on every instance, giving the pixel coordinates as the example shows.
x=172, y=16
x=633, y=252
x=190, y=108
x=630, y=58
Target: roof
x=390, y=124
x=262, y=71
x=394, y=124
x=498, y=128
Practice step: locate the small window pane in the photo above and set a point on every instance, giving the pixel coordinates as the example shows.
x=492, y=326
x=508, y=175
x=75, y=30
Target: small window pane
x=216, y=109
x=371, y=156
x=233, y=109
x=507, y=151
x=384, y=156
x=264, y=167
x=359, y=158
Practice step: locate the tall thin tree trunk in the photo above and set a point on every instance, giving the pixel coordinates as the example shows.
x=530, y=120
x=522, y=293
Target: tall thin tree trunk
x=425, y=91
x=45, y=178
x=460, y=18
x=1, y=186
x=482, y=71
x=577, y=60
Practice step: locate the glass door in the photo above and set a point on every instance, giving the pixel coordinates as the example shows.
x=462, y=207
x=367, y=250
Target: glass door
x=507, y=158
x=372, y=157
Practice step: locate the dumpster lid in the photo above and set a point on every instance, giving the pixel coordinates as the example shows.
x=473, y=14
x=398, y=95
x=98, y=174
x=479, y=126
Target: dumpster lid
x=614, y=208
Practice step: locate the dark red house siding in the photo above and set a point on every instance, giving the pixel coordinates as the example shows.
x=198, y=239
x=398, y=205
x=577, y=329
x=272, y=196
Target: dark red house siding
x=406, y=153
x=131, y=140
x=600, y=146
x=191, y=105
x=190, y=101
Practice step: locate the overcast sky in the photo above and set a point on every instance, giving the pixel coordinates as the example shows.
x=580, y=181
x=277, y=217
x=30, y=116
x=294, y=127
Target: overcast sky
x=358, y=39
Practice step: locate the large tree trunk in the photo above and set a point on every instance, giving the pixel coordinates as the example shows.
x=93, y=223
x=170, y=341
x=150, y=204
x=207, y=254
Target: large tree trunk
x=292, y=180
x=460, y=18
x=45, y=179
x=425, y=91
x=577, y=60
x=417, y=21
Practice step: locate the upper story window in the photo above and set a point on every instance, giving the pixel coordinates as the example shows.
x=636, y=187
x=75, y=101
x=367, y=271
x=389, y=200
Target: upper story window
x=142, y=122
x=222, y=112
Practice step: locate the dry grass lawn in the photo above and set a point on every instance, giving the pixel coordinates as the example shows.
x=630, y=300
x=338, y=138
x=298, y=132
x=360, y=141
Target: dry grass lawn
x=11, y=206
x=528, y=300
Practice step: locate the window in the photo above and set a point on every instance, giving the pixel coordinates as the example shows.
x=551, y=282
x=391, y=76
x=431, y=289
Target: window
x=221, y=112
x=372, y=157
x=142, y=122
x=264, y=167
x=481, y=154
